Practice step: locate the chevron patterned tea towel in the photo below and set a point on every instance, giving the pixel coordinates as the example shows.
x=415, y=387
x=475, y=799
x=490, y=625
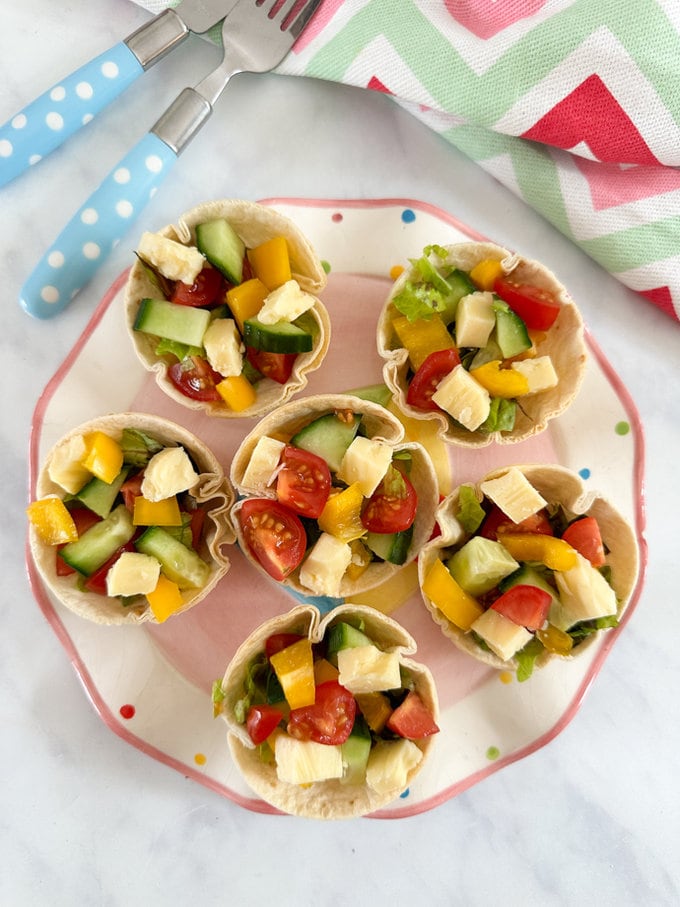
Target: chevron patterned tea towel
x=572, y=104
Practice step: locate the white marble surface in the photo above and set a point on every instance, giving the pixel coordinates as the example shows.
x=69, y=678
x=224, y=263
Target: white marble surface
x=593, y=818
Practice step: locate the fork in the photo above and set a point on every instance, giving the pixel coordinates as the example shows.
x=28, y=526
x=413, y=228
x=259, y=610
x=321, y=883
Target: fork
x=256, y=36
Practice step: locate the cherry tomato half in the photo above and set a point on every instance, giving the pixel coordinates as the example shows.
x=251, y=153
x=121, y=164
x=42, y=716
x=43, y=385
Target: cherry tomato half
x=392, y=506
x=537, y=522
x=424, y=382
x=206, y=290
x=131, y=489
x=275, y=536
x=277, y=366
x=195, y=378
x=261, y=720
x=412, y=719
x=584, y=535
x=96, y=582
x=525, y=605
x=329, y=720
x=303, y=482
x=537, y=308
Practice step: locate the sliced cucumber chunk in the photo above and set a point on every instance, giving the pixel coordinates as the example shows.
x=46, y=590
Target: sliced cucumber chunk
x=180, y=564
x=282, y=337
x=174, y=322
x=328, y=437
x=99, y=496
x=391, y=546
x=100, y=542
x=511, y=332
x=223, y=248
x=344, y=636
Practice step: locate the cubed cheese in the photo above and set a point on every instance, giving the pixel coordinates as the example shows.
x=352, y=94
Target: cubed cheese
x=286, y=303
x=475, y=319
x=263, y=462
x=390, y=763
x=502, y=636
x=539, y=372
x=367, y=669
x=223, y=347
x=133, y=574
x=168, y=472
x=174, y=260
x=305, y=761
x=514, y=494
x=66, y=468
x=324, y=567
x=462, y=397
x=365, y=462
x=584, y=595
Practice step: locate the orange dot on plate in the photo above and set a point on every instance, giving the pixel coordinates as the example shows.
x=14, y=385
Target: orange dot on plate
x=395, y=271
x=200, y=759
x=506, y=676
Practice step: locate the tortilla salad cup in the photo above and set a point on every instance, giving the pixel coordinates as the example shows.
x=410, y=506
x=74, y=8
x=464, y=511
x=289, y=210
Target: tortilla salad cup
x=222, y=307
x=529, y=567
x=130, y=518
x=328, y=718
x=334, y=501
x=483, y=342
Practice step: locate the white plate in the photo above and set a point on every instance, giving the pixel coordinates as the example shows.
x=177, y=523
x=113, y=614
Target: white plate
x=151, y=685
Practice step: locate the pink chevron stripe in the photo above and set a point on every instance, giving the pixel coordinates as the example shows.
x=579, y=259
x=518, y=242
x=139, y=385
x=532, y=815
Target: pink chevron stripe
x=591, y=114
x=661, y=297
x=485, y=18
x=611, y=185
x=318, y=22
x=375, y=84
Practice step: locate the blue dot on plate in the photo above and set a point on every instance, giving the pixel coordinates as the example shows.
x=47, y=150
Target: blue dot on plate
x=584, y=473
x=404, y=794
x=408, y=216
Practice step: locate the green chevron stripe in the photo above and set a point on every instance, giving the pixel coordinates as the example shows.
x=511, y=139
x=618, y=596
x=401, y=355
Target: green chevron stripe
x=484, y=98
x=633, y=247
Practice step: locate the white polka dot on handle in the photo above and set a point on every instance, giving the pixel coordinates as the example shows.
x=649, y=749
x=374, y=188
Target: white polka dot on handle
x=58, y=93
x=19, y=121
x=49, y=294
x=84, y=91
x=86, y=119
x=91, y=250
x=56, y=259
x=89, y=216
x=110, y=69
x=34, y=158
x=6, y=148
x=124, y=208
x=54, y=121
x=153, y=163
x=122, y=176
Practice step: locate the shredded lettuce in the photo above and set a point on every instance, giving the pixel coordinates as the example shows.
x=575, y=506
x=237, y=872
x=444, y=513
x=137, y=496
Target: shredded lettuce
x=501, y=415
x=526, y=659
x=422, y=298
x=470, y=512
x=138, y=447
x=218, y=696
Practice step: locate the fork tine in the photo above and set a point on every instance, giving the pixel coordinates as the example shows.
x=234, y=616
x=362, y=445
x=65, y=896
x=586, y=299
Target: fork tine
x=298, y=16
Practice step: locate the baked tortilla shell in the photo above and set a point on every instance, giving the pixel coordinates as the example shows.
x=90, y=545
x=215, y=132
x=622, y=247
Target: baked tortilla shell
x=255, y=224
x=557, y=485
x=212, y=486
x=564, y=343
x=378, y=423
x=323, y=799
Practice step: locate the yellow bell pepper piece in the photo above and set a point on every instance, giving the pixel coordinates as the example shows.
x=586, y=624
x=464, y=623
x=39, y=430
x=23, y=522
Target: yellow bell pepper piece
x=165, y=599
x=555, y=640
x=376, y=709
x=246, y=300
x=485, y=273
x=500, y=382
x=237, y=392
x=52, y=521
x=156, y=513
x=294, y=667
x=422, y=337
x=324, y=671
x=451, y=599
x=271, y=262
x=341, y=515
x=545, y=549
x=103, y=456
x=361, y=558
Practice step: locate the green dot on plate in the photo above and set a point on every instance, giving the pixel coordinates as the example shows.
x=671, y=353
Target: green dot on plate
x=622, y=428
x=493, y=753
x=326, y=265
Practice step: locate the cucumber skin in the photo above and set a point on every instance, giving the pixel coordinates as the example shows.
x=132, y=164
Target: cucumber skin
x=99, y=496
x=180, y=564
x=328, y=438
x=100, y=542
x=391, y=547
x=344, y=636
x=283, y=337
x=170, y=321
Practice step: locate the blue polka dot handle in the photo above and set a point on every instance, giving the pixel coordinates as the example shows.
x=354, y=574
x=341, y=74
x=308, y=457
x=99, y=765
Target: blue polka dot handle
x=74, y=257
x=49, y=120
